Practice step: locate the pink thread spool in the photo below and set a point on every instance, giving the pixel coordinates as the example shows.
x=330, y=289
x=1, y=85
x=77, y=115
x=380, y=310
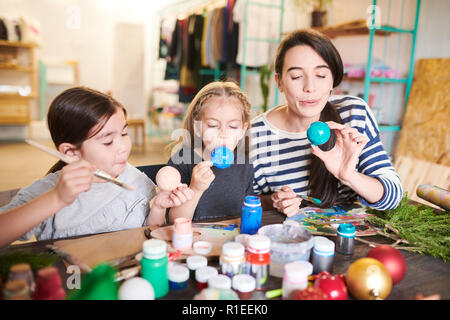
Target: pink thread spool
x=182, y=234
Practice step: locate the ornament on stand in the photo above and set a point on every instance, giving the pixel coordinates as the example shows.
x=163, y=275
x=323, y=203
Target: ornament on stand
x=222, y=157
x=392, y=259
x=332, y=285
x=311, y=293
x=168, y=178
x=318, y=133
x=368, y=279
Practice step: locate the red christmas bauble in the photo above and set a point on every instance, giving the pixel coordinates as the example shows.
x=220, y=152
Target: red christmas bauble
x=311, y=293
x=392, y=259
x=332, y=285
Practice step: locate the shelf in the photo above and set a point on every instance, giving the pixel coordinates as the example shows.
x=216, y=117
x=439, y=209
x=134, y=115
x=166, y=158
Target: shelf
x=4, y=43
x=16, y=68
x=379, y=80
x=16, y=95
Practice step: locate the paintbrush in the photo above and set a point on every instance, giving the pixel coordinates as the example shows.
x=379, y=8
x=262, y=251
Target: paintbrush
x=68, y=159
x=315, y=200
x=69, y=258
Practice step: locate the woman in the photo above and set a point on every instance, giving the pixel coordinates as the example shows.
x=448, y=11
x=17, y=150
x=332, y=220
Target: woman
x=307, y=68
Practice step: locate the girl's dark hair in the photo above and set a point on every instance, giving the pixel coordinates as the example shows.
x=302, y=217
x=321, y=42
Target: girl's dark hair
x=75, y=112
x=322, y=184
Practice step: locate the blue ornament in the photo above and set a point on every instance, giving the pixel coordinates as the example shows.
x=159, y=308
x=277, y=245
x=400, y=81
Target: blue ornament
x=222, y=157
x=318, y=133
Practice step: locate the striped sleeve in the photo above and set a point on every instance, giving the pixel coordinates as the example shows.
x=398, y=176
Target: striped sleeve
x=373, y=160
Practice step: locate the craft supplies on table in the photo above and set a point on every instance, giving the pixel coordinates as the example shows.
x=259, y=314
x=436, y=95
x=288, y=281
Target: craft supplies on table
x=178, y=276
x=194, y=262
x=258, y=260
x=219, y=281
x=154, y=266
x=323, y=254
x=295, y=278
x=251, y=215
x=288, y=244
x=345, y=241
x=232, y=259
x=202, y=276
x=244, y=285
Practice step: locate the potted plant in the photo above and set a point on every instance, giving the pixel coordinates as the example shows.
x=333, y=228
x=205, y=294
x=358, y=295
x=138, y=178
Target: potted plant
x=318, y=9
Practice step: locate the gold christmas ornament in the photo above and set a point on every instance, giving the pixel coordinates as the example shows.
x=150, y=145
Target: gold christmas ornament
x=368, y=279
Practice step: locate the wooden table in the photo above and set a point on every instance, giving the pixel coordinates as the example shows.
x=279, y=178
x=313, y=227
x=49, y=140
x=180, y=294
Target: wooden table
x=425, y=274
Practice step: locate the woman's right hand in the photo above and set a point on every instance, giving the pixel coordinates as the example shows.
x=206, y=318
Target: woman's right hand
x=286, y=201
x=75, y=178
x=202, y=176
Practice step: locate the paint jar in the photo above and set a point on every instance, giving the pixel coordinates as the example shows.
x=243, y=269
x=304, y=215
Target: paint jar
x=288, y=244
x=251, y=215
x=49, y=285
x=202, y=276
x=195, y=262
x=178, y=276
x=244, y=285
x=258, y=259
x=182, y=234
x=16, y=290
x=219, y=281
x=295, y=278
x=323, y=255
x=136, y=288
x=232, y=259
x=345, y=240
x=22, y=271
x=243, y=239
x=154, y=266
x=202, y=247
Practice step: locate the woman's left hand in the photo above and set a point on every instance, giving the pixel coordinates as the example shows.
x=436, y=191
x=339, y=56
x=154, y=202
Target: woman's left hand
x=174, y=198
x=341, y=161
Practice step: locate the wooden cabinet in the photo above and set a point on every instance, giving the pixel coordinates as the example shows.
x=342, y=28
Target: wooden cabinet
x=18, y=82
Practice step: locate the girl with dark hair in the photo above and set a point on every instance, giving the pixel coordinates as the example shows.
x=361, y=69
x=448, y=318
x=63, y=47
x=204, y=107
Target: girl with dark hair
x=70, y=201
x=352, y=163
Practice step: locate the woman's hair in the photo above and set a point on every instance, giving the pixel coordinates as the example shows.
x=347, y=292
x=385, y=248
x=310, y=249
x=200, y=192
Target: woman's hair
x=322, y=184
x=196, y=107
x=73, y=115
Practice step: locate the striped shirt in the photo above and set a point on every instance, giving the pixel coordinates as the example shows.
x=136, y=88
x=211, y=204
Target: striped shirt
x=283, y=158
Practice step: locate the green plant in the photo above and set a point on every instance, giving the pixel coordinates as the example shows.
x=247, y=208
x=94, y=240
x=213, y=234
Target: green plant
x=312, y=5
x=264, y=77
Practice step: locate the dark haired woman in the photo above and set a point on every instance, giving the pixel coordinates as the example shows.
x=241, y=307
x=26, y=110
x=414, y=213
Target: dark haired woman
x=353, y=163
x=69, y=201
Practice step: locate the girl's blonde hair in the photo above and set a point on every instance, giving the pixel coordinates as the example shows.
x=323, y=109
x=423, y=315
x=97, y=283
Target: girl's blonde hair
x=196, y=107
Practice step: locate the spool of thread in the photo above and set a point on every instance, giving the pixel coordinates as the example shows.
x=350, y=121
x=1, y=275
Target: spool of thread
x=22, y=271
x=49, y=285
x=435, y=195
x=16, y=289
x=182, y=234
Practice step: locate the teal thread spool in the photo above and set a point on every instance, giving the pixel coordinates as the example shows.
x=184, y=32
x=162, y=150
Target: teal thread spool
x=154, y=266
x=318, y=133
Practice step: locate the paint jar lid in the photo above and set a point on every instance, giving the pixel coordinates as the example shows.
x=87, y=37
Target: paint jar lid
x=252, y=201
x=258, y=244
x=233, y=249
x=219, y=281
x=323, y=246
x=177, y=272
x=244, y=283
x=195, y=262
x=154, y=249
x=346, y=230
x=202, y=247
x=202, y=274
x=297, y=271
x=182, y=225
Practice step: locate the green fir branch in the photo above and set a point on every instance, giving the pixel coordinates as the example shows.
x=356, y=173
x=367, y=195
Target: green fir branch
x=422, y=227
